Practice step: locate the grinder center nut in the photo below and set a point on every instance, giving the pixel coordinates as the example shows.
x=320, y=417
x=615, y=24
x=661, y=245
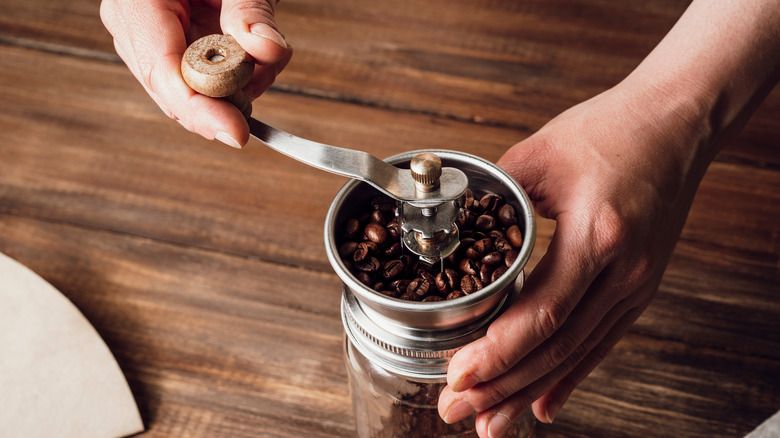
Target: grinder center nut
x=426, y=171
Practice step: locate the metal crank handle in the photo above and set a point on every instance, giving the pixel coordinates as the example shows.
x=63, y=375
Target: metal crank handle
x=217, y=66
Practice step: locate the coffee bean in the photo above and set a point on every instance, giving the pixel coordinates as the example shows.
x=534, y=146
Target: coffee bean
x=490, y=202
x=400, y=285
x=507, y=216
x=442, y=285
x=370, y=264
x=389, y=293
x=378, y=217
x=486, y=223
x=493, y=259
x=485, y=273
x=419, y=286
x=394, y=230
x=364, y=277
x=378, y=286
x=347, y=249
x=352, y=229
x=376, y=233
x=393, y=269
x=410, y=296
x=432, y=298
x=501, y=270
x=455, y=294
x=510, y=257
x=514, y=236
x=469, y=267
x=470, y=284
x=363, y=251
x=467, y=199
x=452, y=278
x=502, y=245
x=393, y=250
x=480, y=248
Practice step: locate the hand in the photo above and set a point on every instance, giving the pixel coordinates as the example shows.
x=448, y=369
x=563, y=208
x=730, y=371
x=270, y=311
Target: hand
x=618, y=178
x=152, y=35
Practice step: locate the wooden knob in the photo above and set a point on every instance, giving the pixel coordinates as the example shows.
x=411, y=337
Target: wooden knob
x=216, y=66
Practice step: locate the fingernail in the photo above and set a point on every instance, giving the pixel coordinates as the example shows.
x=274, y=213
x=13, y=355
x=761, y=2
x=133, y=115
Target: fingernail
x=224, y=137
x=498, y=425
x=552, y=411
x=457, y=411
x=466, y=381
x=265, y=31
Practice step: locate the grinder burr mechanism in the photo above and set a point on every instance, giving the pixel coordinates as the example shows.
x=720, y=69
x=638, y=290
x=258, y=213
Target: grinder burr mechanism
x=427, y=194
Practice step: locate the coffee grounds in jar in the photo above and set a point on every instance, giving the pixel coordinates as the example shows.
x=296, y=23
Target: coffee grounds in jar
x=490, y=238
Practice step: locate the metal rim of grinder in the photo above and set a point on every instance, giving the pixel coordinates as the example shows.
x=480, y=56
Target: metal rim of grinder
x=417, y=339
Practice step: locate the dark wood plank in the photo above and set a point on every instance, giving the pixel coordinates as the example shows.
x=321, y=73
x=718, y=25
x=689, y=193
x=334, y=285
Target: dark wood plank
x=211, y=344
x=502, y=63
x=219, y=345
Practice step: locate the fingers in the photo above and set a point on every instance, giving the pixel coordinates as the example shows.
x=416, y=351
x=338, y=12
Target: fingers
x=252, y=24
x=149, y=35
x=549, y=404
x=553, y=290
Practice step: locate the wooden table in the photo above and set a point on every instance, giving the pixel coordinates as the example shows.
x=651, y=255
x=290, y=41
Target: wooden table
x=204, y=269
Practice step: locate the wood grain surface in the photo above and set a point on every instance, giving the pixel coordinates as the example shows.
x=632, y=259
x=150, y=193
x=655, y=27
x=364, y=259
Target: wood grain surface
x=204, y=268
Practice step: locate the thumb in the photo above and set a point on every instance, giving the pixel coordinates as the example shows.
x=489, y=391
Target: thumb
x=252, y=24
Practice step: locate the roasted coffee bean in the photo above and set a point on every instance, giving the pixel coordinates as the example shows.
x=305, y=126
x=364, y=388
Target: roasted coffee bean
x=410, y=296
x=384, y=204
x=507, y=216
x=501, y=270
x=490, y=202
x=427, y=275
x=432, y=298
x=502, y=245
x=485, y=274
x=378, y=217
x=393, y=250
x=370, y=264
x=393, y=269
x=514, y=236
x=466, y=220
x=363, y=251
x=493, y=259
x=496, y=235
x=419, y=286
x=378, y=286
x=467, y=199
x=394, y=230
x=389, y=293
x=376, y=233
x=470, y=284
x=400, y=285
x=347, y=249
x=480, y=248
x=468, y=267
x=442, y=285
x=455, y=294
x=510, y=257
x=364, y=277
x=352, y=229
x=486, y=223
x=452, y=278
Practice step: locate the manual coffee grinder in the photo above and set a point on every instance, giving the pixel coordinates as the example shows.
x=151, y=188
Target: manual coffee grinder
x=396, y=349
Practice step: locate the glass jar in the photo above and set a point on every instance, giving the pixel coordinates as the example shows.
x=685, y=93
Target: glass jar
x=397, y=351
x=388, y=405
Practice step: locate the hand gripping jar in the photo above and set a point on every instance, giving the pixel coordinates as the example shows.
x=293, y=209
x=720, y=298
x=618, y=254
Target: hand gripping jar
x=397, y=351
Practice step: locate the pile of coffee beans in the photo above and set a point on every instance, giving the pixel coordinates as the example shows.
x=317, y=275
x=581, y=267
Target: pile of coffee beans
x=489, y=242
